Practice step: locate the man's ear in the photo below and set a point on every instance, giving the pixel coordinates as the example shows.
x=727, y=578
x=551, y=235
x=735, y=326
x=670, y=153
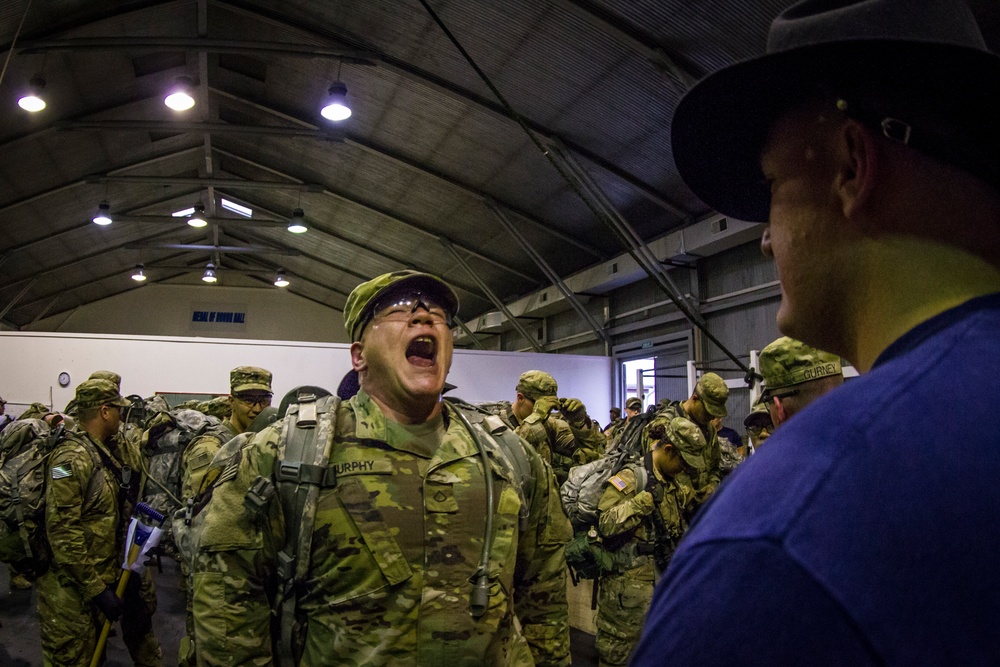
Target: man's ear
x=779, y=411
x=857, y=164
x=358, y=362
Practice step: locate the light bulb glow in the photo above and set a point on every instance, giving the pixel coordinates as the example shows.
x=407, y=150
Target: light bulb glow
x=103, y=216
x=336, y=108
x=197, y=218
x=138, y=275
x=32, y=101
x=209, y=276
x=281, y=281
x=180, y=98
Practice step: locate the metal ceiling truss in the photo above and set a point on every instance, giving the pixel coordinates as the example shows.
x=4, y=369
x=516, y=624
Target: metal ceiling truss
x=323, y=229
x=493, y=297
x=255, y=273
x=359, y=54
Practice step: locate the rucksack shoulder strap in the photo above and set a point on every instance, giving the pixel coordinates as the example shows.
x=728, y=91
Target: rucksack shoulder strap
x=308, y=433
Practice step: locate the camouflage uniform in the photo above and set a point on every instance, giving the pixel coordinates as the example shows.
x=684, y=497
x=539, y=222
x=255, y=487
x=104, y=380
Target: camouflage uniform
x=625, y=524
x=394, y=546
x=713, y=392
x=551, y=435
x=194, y=464
x=85, y=520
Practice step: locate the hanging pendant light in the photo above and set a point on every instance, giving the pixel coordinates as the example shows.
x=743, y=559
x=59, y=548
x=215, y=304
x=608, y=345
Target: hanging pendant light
x=138, y=275
x=197, y=218
x=281, y=281
x=180, y=97
x=103, y=216
x=297, y=223
x=209, y=275
x=336, y=108
x=32, y=100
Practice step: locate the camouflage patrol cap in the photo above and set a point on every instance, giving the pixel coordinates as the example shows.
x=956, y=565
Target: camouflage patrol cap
x=111, y=376
x=95, y=393
x=634, y=403
x=35, y=411
x=689, y=441
x=759, y=416
x=361, y=301
x=714, y=393
x=249, y=378
x=535, y=384
x=787, y=362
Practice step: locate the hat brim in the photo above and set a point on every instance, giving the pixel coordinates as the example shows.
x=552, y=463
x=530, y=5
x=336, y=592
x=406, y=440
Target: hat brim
x=720, y=125
x=251, y=386
x=715, y=409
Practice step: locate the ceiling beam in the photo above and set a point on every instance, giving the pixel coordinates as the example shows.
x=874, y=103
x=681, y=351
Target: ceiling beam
x=229, y=249
x=181, y=126
x=445, y=87
x=393, y=261
x=200, y=45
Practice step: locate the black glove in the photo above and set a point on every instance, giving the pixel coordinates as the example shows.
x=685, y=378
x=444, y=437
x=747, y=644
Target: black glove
x=109, y=604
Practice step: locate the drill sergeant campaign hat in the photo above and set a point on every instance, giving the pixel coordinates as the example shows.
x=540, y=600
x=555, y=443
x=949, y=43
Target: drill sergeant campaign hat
x=688, y=439
x=363, y=302
x=249, y=378
x=535, y=384
x=787, y=362
x=917, y=72
x=714, y=393
x=95, y=393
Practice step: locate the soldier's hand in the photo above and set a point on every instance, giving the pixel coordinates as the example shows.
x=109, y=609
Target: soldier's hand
x=109, y=604
x=546, y=404
x=644, y=503
x=574, y=409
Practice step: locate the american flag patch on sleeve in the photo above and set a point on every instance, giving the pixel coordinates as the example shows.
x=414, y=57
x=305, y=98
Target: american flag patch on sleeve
x=62, y=470
x=618, y=483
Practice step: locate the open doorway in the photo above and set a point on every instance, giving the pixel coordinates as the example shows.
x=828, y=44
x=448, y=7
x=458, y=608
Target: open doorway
x=637, y=380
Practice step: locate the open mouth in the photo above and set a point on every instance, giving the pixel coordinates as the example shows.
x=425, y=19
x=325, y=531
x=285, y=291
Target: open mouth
x=421, y=351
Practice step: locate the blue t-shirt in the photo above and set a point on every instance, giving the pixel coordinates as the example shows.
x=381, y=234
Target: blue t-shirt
x=867, y=531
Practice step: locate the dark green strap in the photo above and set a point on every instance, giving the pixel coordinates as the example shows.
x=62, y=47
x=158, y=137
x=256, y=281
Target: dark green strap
x=301, y=474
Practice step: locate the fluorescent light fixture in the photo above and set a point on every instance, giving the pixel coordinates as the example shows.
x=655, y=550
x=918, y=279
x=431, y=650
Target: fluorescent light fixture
x=236, y=208
x=138, y=274
x=297, y=225
x=209, y=275
x=281, y=281
x=197, y=218
x=336, y=108
x=183, y=214
x=103, y=216
x=32, y=100
x=179, y=98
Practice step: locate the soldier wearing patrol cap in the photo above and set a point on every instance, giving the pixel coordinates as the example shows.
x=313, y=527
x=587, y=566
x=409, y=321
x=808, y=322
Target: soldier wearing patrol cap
x=394, y=574
x=250, y=389
x=642, y=527
x=533, y=416
x=759, y=427
x=85, y=513
x=707, y=401
x=795, y=375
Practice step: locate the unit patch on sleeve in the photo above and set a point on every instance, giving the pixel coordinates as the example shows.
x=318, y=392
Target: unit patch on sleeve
x=62, y=470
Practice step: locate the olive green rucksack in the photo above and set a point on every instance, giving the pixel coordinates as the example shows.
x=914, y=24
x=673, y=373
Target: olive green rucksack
x=25, y=446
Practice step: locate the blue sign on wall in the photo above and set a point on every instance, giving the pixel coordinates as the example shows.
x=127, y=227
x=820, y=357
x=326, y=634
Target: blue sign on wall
x=219, y=317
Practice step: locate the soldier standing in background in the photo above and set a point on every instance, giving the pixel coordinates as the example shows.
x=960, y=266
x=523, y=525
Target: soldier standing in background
x=642, y=527
x=532, y=415
x=706, y=402
x=86, y=511
x=392, y=574
x=795, y=375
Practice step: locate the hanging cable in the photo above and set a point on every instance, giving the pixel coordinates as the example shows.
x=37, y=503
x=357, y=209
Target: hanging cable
x=14, y=41
x=637, y=255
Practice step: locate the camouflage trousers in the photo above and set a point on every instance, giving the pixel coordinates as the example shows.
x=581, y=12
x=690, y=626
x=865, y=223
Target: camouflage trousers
x=71, y=625
x=622, y=602
x=232, y=620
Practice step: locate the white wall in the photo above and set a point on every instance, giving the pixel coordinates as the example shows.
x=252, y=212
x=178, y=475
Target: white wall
x=30, y=364
x=165, y=310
